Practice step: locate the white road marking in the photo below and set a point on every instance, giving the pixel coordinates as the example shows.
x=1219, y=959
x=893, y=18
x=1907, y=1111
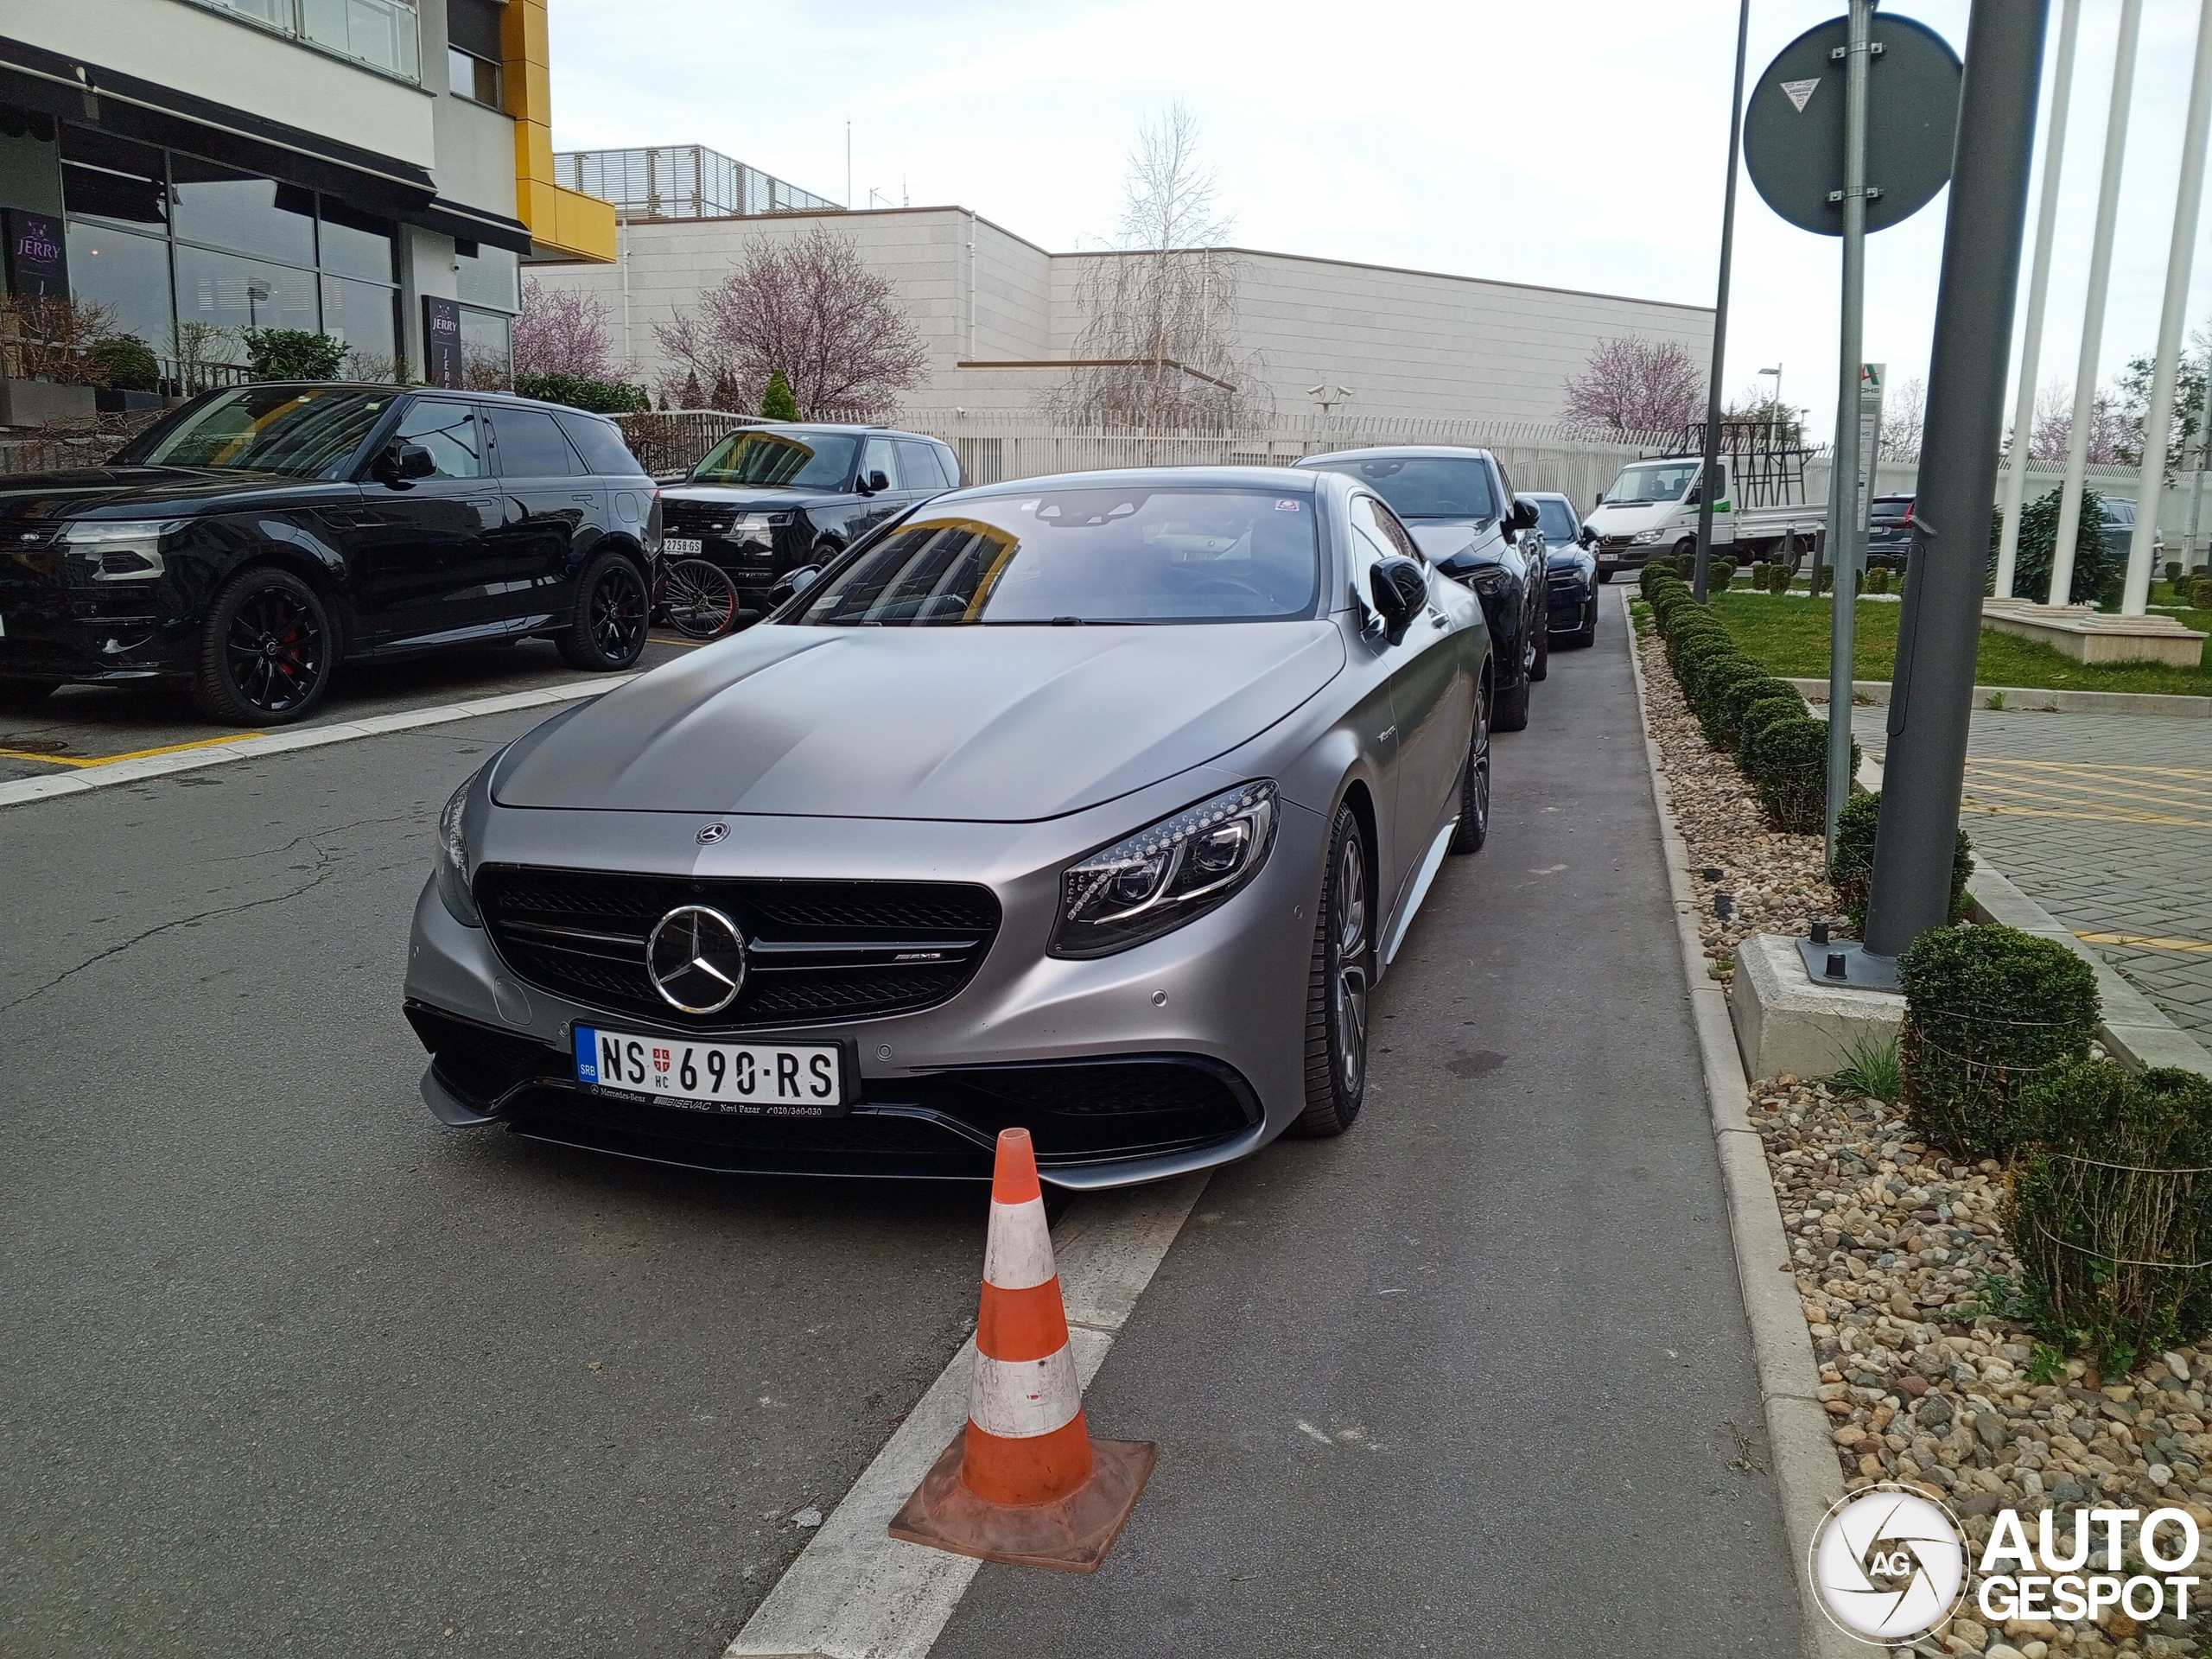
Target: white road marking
x=249, y=747
x=855, y=1591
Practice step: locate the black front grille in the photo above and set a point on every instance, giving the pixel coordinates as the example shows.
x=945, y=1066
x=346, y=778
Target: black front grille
x=707, y=520
x=818, y=950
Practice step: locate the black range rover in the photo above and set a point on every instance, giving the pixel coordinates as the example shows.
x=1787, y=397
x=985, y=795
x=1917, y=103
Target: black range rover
x=767, y=501
x=258, y=536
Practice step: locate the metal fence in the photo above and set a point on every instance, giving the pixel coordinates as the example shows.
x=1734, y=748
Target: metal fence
x=682, y=182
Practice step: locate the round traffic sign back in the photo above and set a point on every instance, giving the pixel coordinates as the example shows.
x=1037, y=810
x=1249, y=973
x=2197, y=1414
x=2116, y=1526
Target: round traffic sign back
x=1793, y=127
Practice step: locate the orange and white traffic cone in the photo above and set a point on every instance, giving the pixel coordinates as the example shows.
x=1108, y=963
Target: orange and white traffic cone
x=1024, y=1482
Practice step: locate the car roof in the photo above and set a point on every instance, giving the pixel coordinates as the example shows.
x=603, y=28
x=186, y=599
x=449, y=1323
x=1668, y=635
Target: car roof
x=1394, y=452
x=1248, y=478
x=1549, y=495
x=387, y=387
x=833, y=426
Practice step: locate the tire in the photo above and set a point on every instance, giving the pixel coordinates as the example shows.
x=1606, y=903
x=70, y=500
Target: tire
x=1509, y=709
x=1586, y=636
x=1473, y=828
x=1541, y=668
x=608, y=631
x=697, y=597
x=1336, y=986
x=266, y=651
x=1684, y=550
x=17, y=695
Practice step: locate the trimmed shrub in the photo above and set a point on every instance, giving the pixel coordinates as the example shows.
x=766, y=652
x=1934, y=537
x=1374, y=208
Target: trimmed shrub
x=1778, y=577
x=292, y=354
x=1987, y=1008
x=1687, y=653
x=1718, y=572
x=1787, y=762
x=2111, y=1212
x=124, y=361
x=1824, y=577
x=1759, y=714
x=1851, y=871
x=2200, y=592
x=2174, y=573
x=1877, y=578
x=600, y=397
x=1653, y=570
x=1734, y=701
x=1714, y=680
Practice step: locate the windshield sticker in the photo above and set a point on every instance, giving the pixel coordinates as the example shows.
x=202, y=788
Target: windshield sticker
x=1285, y=506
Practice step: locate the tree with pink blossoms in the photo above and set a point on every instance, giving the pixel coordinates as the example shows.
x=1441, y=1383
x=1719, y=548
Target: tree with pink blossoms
x=1630, y=384
x=562, y=332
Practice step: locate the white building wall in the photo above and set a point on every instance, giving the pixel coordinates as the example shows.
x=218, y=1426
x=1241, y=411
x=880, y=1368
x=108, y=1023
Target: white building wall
x=1411, y=344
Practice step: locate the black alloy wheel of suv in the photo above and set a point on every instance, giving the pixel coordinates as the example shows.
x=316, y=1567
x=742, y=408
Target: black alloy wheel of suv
x=611, y=612
x=265, y=653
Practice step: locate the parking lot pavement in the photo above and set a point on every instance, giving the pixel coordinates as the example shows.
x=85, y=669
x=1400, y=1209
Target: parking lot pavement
x=291, y=1370
x=82, y=724
x=1464, y=1381
x=2105, y=821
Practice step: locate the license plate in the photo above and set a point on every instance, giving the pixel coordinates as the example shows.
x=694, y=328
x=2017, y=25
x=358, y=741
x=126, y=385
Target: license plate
x=749, y=1079
x=681, y=546
x=1607, y=558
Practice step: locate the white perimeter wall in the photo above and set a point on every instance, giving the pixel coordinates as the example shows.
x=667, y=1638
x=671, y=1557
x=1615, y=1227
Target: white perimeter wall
x=1411, y=344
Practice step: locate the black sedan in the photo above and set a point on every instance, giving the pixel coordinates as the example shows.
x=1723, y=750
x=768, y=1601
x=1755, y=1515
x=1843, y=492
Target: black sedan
x=1570, y=572
x=1461, y=509
x=768, y=500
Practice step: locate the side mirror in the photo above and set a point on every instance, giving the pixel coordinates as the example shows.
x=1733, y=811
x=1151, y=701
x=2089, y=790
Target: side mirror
x=402, y=461
x=1399, y=592
x=1524, y=513
x=873, y=482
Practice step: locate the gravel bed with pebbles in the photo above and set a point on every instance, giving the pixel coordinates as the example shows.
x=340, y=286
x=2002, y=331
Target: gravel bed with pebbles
x=1749, y=877
x=1906, y=1283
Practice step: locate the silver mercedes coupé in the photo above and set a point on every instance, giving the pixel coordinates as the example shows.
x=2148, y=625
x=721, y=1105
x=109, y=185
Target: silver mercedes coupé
x=1095, y=804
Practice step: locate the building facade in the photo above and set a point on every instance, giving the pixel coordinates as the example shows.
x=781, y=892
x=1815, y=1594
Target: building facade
x=374, y=170
x=1001, y=318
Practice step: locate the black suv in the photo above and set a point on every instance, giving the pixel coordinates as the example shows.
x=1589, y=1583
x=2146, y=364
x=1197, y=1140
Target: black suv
x=258, y=536
x=768, y=500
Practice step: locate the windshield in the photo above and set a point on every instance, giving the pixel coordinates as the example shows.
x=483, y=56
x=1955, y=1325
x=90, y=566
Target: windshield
x=310, y=434
x=1129, y=554
x=2119, y=513
x=1424, y=487
x=1556, y=519
x=1892, y=506
x=760, y=458
x=1666, y=480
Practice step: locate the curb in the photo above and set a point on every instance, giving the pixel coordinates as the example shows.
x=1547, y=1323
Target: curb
x=24, y=789
x=1875, y=694
x=1805, y=1471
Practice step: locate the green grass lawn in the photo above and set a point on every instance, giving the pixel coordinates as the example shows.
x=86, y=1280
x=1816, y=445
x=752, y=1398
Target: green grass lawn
x=1790, y=637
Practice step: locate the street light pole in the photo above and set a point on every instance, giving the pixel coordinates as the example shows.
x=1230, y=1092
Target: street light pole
x=1931, y=694
x=1709, y=472
x=1843, y=538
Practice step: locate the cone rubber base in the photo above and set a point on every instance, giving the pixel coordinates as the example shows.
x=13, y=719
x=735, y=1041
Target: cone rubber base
x=1070, y=1535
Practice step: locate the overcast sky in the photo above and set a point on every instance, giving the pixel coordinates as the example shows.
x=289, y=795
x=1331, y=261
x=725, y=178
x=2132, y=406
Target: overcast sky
x=1576, y=144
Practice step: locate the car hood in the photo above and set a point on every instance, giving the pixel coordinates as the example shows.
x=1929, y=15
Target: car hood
x=1466, y=542
x=131, y=491
x=993, y=725
x=753, y=497
x=1626, y=520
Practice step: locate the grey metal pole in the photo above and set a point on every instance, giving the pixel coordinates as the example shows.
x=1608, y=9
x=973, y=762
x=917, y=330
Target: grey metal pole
x=2024, y=407
x=2150, y=493
x=1708, y=473
x=2093, y=315
x=1843, y=538
x=1931, y=695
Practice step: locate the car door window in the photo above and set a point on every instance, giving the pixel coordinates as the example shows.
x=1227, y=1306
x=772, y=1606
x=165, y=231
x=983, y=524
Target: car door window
x=601, y=444
x=1393, y=533
x=878, y=457
x=530, y=445
x=917, y=466
x=449, y=431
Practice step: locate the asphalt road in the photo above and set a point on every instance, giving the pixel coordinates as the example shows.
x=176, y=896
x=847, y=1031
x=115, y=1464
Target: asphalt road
x=1462, y=1381
x=288, y=1368
x=81, y=723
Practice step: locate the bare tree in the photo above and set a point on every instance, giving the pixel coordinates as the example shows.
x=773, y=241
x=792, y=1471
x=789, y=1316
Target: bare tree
x=1630, y=384
x=562, y=332
x=47, y=337
x=1905, y=413
x=2111, y=433
x=1158, y=350
x=808, y=306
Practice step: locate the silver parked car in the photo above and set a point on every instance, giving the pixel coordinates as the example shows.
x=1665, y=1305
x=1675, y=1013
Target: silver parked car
x=1095, y=804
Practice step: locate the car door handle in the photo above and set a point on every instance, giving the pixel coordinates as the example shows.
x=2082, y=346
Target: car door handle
x=585, y=500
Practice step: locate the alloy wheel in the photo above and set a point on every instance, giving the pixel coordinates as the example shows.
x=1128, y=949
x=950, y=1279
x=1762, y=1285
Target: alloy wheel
x=274, y=651
x=1347, y=991
x=618, y=612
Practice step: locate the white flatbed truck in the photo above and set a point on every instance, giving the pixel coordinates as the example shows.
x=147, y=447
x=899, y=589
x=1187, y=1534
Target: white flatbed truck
x=1651, y=510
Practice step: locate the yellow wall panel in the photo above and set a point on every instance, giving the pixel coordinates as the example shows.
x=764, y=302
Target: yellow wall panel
x=533, y=150
x=563, y=220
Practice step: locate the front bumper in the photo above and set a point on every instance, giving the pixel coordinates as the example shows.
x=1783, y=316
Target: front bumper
x=122, y=632
x=1177, y=1055
x=1565, y=601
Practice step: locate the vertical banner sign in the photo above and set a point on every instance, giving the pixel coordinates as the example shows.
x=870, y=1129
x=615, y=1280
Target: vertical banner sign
x=1871, y=377
x=38, y=259
x=441, y=341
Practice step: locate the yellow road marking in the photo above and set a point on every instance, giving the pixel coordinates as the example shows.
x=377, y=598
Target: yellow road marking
x=2087, y=767
x=129, y=754
x=2092, y=782
x=2062, y=795
x=2006, y=808
x=2203, y=945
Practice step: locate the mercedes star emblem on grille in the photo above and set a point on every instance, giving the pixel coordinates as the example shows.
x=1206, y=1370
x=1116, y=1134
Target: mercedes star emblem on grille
x=695, y=958
x=713, y=833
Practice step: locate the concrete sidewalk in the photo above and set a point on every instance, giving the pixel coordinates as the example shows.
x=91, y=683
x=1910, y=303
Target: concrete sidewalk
x=1463, y=1382
x=2106, y=821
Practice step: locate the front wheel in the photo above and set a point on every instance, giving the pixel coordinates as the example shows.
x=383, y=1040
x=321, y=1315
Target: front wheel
x=608, y=631
x=1586, y=635
x=1473, y=828
x=265, y=651
x=1510, y=711
x=1541, y=667
x=1336, y=985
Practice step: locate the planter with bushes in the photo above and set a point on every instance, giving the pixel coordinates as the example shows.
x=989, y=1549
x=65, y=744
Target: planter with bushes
x=1851, y=871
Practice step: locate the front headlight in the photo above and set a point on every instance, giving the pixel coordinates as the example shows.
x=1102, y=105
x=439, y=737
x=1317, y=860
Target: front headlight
x=120, y=549
x=452, y=866
x=1159, y=878
x=1646, y=537
x=759, y=521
